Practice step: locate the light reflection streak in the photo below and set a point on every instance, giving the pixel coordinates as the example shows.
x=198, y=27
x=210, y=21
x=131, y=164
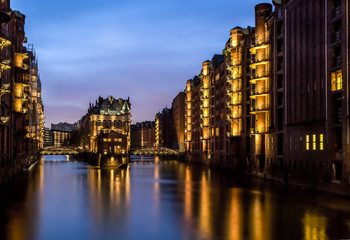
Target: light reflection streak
x=234, y=224
x=188, y=193
x=314, y=226
x=109, y=194
x=205, y=208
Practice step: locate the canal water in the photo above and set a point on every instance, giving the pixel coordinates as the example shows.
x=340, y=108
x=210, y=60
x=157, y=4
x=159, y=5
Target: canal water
x=155, y=199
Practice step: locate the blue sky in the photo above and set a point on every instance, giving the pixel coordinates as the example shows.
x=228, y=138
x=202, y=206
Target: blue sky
x=143, y=49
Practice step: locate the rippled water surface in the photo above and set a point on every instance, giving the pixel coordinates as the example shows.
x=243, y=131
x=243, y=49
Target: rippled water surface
x=156, y=199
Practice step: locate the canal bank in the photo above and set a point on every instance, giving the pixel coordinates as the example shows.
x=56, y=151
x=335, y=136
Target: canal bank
x=308, y=184
x=17, y=167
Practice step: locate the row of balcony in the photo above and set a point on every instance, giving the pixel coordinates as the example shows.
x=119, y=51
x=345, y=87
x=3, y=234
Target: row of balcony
x=263, y=77
x=232, y=118
x=258, y=46
x=260, y=93
x=230, y=48
x=233, y=134
x=259, y=109
x=260, y=61
x=259, y=130
x=231, y=91
x=202, y=97
x=230, y=79
x=230, y=104
x=4, y=42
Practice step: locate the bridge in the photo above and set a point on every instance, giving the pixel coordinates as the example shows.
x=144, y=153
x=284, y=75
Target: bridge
x=155, y=151
x=58, y=151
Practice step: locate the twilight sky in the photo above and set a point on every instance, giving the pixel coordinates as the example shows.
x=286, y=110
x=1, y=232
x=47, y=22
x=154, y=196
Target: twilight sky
x=145, y=49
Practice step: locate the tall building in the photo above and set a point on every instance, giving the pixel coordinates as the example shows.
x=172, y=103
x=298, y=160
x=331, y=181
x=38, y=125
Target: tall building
x=193, y=116
x=286, y=95
x=220, y=138
x=165, y=135
x=48, y=137
x=178, y=108
x=312, y=58
x=21, y=107
x=260, y=87
x=34, y=119
x=143, y=135
x=60, y=138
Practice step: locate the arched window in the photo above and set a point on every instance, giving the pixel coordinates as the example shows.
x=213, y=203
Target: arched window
x=115, y=123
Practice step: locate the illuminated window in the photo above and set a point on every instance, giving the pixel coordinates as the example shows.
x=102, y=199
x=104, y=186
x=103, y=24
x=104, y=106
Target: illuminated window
x=105, y=139
x=321, y=141
x=307, y=142
x=337, y=80
x=314, y=142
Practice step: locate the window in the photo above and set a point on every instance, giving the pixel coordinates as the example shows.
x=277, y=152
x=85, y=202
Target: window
x=337, y=80
x=321, y=141
x=314, y=142
x=307, y=142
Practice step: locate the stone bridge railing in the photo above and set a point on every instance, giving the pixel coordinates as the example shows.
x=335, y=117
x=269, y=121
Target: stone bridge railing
x=155, y=151
x=58, y=151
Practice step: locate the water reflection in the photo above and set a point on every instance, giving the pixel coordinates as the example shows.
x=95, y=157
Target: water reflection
x=315, y=226
x=205, y=215
x=234, y=215
x=157, y=199
x=109, y=197
x=20, y=206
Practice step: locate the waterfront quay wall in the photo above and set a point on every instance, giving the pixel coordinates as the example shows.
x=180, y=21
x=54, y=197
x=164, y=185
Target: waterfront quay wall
x=308, y=181
x=15, y=165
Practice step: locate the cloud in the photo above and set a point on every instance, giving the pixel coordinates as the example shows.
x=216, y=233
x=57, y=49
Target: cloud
x=142, y=49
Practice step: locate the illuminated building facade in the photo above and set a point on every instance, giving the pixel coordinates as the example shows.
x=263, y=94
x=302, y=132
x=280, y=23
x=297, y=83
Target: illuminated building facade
x=59, y=138
x=205, y=108
x=260, y=87
x=287, y=95
x=48, y=137
x=165, y=135
x=143, y=135
x=178, y=108
x=312, y=48
x=219, y=141
x=193, y=124
x=108, y=118
x=188, y=116
x=34, y=119
x=21, y=107
x=238, y=102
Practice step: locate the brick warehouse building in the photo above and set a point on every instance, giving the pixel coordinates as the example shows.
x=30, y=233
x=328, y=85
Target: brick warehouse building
x=21, y=114
x=105, y=129
x=285, y=84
